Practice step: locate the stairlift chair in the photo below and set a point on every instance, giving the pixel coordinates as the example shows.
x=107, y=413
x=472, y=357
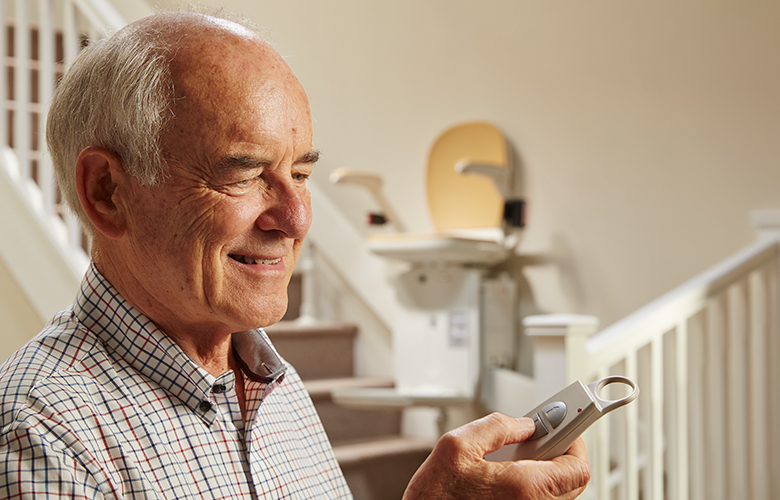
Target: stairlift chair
x=455, y=319
x=471, y=198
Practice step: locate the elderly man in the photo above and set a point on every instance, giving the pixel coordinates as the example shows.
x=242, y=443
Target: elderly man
x=184, y=143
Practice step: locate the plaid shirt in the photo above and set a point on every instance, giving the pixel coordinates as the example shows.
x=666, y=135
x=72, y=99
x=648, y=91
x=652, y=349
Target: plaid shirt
x=102, y=404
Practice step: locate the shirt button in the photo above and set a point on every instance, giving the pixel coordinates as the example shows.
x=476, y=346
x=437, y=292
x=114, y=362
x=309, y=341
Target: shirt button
x=219, y=389
x=204, y=406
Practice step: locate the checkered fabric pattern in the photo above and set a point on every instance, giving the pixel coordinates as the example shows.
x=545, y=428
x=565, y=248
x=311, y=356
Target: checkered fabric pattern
x=102, y=404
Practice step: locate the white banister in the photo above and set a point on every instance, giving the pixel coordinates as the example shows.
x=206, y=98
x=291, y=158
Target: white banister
x=706, y=358
x=41, y=247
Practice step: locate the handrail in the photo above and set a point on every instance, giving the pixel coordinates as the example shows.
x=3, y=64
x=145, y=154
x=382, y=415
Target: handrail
x=706, y=357
x=662, y=314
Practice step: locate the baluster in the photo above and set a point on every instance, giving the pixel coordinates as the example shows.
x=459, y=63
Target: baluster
x=758, y=388
x=645, y=422
x=696, y=470
x=773, y=373
x=678, y=420
x=656, y=427
x=22, y=123
x=632, y=438
x=715, y=415
x=46, y=81
x=600, y=466
x=737, y=404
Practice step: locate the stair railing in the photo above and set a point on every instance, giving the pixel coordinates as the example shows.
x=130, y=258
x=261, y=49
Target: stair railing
x=47, y=36
x=706, y=357
x=41, y=243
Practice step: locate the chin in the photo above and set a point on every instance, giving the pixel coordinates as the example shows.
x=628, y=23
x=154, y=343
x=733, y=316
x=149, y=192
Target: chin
x=270, y=314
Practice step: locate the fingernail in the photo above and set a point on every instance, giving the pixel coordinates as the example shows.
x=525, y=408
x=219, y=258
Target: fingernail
x=527, y=422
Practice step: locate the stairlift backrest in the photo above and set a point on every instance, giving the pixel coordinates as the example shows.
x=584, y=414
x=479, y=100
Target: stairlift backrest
x=465, y=200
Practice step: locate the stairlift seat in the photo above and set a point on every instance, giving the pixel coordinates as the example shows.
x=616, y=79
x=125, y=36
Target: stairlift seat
x=466, y=209
x=481, y=246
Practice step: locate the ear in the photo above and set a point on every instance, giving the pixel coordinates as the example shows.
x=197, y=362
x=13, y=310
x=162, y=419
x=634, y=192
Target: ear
x=98, y=173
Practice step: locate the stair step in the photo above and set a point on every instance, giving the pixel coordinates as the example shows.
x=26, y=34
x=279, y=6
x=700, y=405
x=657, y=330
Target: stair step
x=321, y=387
x=381, y=469
x=316, y=351
x=344, y=424
x=351, y=454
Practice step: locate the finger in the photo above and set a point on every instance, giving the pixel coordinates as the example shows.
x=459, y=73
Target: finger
x=577, y=449
x=490, y=433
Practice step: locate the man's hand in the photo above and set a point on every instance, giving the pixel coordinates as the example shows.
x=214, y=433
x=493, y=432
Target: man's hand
x=456, y=467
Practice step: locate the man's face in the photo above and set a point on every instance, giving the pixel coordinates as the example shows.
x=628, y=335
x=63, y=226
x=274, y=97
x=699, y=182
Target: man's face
x=214, y=247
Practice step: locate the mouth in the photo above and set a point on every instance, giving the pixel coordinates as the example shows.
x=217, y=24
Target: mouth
x=252, y=260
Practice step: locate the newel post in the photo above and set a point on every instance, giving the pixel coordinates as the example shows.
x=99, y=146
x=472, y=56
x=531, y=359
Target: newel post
x=560, y=356
x=767, y=223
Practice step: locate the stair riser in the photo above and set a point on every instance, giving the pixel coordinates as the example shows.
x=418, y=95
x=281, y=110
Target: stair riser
x=383, y=478
x=317, y=356
x=346, y=424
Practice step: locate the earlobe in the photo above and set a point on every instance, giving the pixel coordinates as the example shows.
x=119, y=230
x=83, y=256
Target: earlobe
x=98, y=173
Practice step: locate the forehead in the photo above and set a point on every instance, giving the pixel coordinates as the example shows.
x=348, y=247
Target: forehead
x=232, y=88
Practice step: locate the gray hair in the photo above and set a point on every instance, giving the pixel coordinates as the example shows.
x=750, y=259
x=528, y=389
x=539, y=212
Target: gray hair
x=116, y=95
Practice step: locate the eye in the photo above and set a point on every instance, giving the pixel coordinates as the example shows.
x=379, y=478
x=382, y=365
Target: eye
x=245, y=182
x=300, y=177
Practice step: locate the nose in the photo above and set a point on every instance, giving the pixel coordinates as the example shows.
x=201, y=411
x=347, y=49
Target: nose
x=287, y=209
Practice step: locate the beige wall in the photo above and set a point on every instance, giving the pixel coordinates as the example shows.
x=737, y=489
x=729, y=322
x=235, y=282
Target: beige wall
x=19, y=319
x=648, y=130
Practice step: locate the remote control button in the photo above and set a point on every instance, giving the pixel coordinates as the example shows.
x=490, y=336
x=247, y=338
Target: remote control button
x=541, y=430
x=555, y=413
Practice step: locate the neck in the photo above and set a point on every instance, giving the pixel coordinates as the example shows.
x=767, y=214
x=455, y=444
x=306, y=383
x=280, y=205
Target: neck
x=208, y=346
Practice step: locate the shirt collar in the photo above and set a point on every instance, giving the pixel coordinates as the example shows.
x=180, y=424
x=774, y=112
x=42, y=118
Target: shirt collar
x=140, y=343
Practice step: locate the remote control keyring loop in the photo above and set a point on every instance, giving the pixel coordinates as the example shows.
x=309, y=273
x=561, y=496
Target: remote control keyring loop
x=605, y=405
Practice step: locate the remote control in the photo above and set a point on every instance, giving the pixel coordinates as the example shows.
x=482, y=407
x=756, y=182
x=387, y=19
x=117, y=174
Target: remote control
x=562, y=418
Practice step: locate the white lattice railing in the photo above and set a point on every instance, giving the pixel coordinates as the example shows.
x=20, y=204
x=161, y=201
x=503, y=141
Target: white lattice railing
x=39, y=40
x=41, y=245
x=706, y=358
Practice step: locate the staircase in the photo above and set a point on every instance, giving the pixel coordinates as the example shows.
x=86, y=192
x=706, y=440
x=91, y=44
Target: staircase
x=376, y=460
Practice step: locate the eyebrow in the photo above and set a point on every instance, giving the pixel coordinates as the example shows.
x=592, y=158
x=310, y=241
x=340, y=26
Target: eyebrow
x=312, y=156
x=248, y=162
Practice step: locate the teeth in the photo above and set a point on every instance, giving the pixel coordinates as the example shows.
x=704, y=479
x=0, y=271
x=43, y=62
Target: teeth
x=248, y=260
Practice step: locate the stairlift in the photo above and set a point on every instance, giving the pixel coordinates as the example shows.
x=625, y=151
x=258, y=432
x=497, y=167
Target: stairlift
x=457, y=316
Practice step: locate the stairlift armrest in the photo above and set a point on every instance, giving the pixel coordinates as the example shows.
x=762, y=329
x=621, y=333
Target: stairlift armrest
x=498, y=174
x=371, y=181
